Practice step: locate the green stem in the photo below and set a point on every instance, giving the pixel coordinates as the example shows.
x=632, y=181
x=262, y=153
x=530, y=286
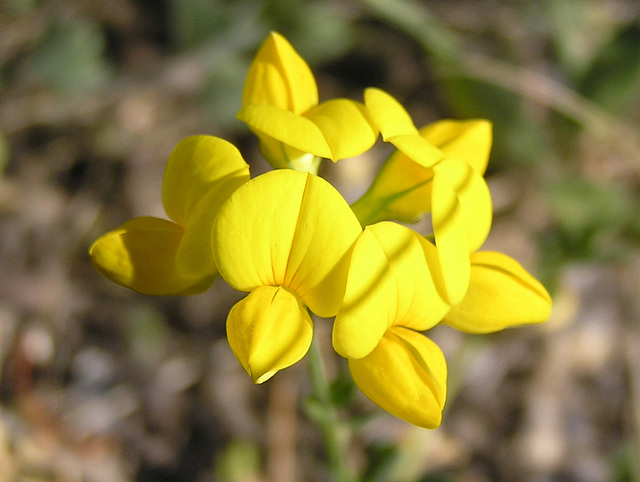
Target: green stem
x=329, y=423
x=370, y=209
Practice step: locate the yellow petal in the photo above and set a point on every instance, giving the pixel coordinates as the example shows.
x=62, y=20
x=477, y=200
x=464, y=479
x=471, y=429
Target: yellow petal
x=335, y=130
x=474, y=197
x=501, y=294
x=469, y=141
x=418, y=149
x=196, y=165
x=287, y=228
x=195, y=256
x=406, y=375
x=279, y=77
x=389, y=283
x=452, y=240
x=269, y=330
x=141, y=254
x=286, y=127
x=368, y=308
x=318, y=262
x=345, y=126
x=388, y=114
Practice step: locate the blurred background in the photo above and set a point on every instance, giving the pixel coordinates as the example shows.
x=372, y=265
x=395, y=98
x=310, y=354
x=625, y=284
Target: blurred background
x=101, y=384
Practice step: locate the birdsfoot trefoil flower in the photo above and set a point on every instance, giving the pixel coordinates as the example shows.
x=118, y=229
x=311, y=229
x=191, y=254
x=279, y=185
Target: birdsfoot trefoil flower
x=160, y=257
x=290, y=241
x=390, y=297
x=280, y=104
x=283, y=236
x=439, y=170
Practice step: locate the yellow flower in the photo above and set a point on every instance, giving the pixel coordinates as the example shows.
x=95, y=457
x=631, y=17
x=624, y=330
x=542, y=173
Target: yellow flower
x=390, y=296
x=284, y=237
x=402, y=188
x=439, y=170
x=394, y=291
x=280, y=105
x=160, y=257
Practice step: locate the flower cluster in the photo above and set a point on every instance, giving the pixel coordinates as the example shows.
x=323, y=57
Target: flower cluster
x=291, y=241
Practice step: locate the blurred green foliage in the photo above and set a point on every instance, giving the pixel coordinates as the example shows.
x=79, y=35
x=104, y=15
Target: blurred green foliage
x=70, y=57
x=589, y=215
x=146, y=333
x=226, y=34
x=321, y=31
x=4, y=152
x=517, y=140
x=612, y=80
x=18, y=7
x=239, y=462
x=382, y=457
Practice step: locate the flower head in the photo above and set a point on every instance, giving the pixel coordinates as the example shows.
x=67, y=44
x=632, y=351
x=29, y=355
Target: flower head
x=280, y=104
x=390, y=297
x=161, y=257
x=439, y=170
x=402, y=188
x=287, y=230
x=394, y=292
x=290, y=240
